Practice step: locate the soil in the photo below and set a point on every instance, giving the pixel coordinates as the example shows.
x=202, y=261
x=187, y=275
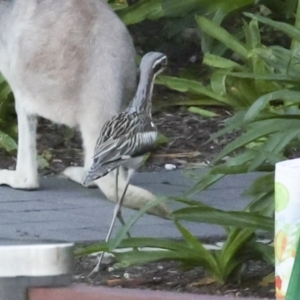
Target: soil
x=186, y=134
x=170, y=277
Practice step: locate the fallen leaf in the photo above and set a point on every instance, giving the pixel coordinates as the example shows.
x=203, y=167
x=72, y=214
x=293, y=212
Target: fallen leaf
x=130, y=283
x=267, y=280
x=203, y=281
x=178, y=155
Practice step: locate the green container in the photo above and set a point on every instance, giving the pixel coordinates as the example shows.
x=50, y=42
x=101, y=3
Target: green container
x=293, y=291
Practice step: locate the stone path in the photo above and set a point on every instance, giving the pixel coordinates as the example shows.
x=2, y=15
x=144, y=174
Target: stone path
x=64, y=211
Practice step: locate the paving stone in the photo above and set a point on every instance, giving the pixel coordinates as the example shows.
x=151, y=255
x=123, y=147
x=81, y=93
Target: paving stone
x=62, y=210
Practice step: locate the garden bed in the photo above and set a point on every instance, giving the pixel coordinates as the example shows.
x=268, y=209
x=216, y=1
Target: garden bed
x=168, y=276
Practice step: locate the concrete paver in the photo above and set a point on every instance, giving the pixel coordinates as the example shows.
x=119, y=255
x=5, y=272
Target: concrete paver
x=62, y=210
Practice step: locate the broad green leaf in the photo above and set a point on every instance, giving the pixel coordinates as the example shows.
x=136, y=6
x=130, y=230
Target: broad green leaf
x=162, y=139
x=273, y=77
x=295, y=41
x=262, y=156
x=235, y=266
x=282, y=60
x=185, y=85
x=215, y=216
x=262, y=190
x=194, y=244
x=263, y=203
x=234, y=123
x=254, y=35
x=288, y=29
x=266, y=252
x=42, y=162
x=223, y=36
x=207, y=180
x=220, y=62
x=7, y=142
x=245, y=90
x=263, y=101
x=259, y=129
x=197, y=102
x=141, y=257
x=230, y=6
x=124, y=230
x=1, y=78
x=290, y=8
x=208, y=44
x=143, y=9
x=271, y=150
x=188, y=201
x=5, y=90
x=156, y=243
x=175, y=8
x=118, y=4
x=227, y=170
x=258, y=65
x=218, y=83
x=202, y=112
x=261, y=185
x=86, y=250
x=237, y=239
x=234, y=165
x=189, y=258
x=178, y=8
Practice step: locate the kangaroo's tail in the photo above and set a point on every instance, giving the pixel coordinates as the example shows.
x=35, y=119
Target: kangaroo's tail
x=135, y=197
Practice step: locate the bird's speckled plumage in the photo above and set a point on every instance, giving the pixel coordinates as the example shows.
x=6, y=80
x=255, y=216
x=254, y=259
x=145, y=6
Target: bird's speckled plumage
x=132, y=133
x=125, y=136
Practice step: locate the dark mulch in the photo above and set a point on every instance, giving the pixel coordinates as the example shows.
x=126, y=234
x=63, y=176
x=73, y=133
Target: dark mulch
x=185, y=148
x=169, y=276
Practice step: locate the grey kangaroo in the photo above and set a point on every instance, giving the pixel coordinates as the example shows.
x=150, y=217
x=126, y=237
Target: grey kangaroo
x=72, y=62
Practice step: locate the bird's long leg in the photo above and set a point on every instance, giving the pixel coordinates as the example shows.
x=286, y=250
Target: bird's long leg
x=117, y=214
x=117, y=211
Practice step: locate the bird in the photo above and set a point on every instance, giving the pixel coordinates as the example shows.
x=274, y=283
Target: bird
x=126, y=138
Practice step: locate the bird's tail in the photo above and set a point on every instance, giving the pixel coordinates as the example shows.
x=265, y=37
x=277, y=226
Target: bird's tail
x=135, y=197
x=98, y=171
x=92, y=177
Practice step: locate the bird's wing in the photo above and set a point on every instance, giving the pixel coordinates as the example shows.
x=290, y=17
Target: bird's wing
x=134, y=135
x=113, y=128
x=114, y=152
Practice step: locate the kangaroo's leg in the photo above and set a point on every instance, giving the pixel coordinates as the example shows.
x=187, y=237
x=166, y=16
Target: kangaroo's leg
x=25, y=176
x=89, y=134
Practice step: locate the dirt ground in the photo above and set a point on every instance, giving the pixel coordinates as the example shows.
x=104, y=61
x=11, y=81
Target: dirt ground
x=170, y=277
x=185, y=147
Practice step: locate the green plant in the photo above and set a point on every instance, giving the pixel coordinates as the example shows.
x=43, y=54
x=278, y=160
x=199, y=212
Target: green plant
x=8, y=127
x=217, y=45
x=180, y=14
x=269, y=78
x=262, y=83
x=241, y=243
x=233, y=82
